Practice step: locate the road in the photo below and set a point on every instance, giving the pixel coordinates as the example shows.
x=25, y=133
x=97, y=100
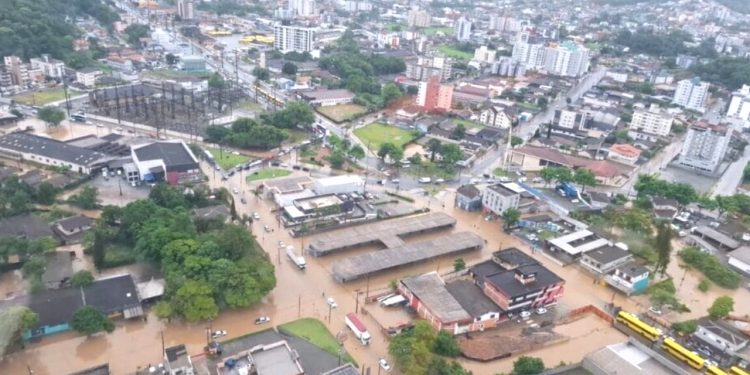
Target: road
x=728, y=182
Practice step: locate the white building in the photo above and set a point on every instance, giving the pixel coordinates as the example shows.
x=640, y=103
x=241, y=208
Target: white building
x=570, y=119
x=87, y=77
x=185, y=9
x=495, y=116
x=740, y=259
x=422, y=68
x=293, y=38
x=50, y=67
x=501, y=23
x=419, y=18
x=691, y=94
x=339, y=184
x=501, y=197
x=705, y=146
x=484, y=55
x=739, y=106
x=303, y=8
x=31, y=148
x=358, y=6
x=566, y=59
x=652, y=121
x=463, y=29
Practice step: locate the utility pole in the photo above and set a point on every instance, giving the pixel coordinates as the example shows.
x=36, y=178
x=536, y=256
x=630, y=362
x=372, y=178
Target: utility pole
x=299, y=306
x=356, y=306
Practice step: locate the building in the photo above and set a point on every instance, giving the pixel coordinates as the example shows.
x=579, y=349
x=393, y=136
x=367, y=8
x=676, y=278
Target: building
x=303, y=8
x=570, y=118
x=339, y=184
x=496, y=117
x=50, y=67
x=58, y=269
x=534, y=159
x=740, y=259
x=72, y=229
x=705, y=146
x=576, y=244
x=691, y=94
x=169, y=161
x=665, y=209
x=195, y=63
x=605, y=259
x=567, y=59
x=630, y=278
x=507, y=67
x=418, y=18
x=739, y=106
x=433, y=96
x=653, y=121
x=87, y=77
x=185, y=9
x=720, y=336
x=177, y=361
x=501, y=197
x=422, y=68
x=462, y=29
x=504, y=24
x=357, y=6
x=468, y=198
x=630, y=357
x=293, y=38
x=325, y=97
x=277, y=358
x=484, y=55
x=46, y=151
x=624, y=153
x=15, y=71
x=516, y=282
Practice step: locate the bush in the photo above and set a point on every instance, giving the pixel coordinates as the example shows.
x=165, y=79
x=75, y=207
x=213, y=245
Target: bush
x=82, y=278
x=711, y=268
x=704, y=285
x=688, y=326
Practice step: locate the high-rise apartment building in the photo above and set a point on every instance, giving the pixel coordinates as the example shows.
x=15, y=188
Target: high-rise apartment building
x=739, y=106
x=422, y=68
x=293, y=38
x=419, y=18
x=185, y=9
x=463, y=29
x=433, y=96
x=485, y=55
x=691, y=94
x=303, y=8
x=705, y=146
x=653, y=120
x=566, y=59
x=16, y=71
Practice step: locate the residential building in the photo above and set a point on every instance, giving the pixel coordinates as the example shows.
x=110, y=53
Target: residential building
x=58, y=269
x=651, y=121
x=325, y=97
x=274, y=358
x=497, y=117
x=740, y=259
x=358, y=6
x=504, y=24
x=422, y=68
x=433, y=96
x=507, y=67
x=570, y=118
x=720, y=336
x=293, y=38
x=624, y=153
x=484, y=55
x=303, y=8
x=691, y=94
x=462, y=29
x=50, y=67
x=418, y=18
x=705, y=146
x=629, y=278
x=195, y=63
x=169, y=161
x=534, y=159
x=87, y=77
x=468, y=198
x=605, y=259
x=575, y=244
x=526, y=286
x=739, y=106
x=177, y=361
x=72, y=229
x=185, y=9
x=47, y=151
x=567, y=59
x=665, y=209
x=501, y=197
x=16, y=72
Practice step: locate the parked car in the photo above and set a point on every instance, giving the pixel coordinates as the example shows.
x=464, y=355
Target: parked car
x=262, y=320
x=256, y=216
x=384, y=364
x=243, y=200
x=216, y=334
x=266, y=228
x=332, y=302
x=541, y=311
x=525, y=314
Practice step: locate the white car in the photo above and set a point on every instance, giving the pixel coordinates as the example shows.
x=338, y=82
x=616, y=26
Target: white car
x=262, y=320
x=525, y=314
x=217, y=334
x=541, y=311
x=332, y=302
x=267, y=228
x=384, y=364
x=256, y=216
x=282, y=244
x=234, y=190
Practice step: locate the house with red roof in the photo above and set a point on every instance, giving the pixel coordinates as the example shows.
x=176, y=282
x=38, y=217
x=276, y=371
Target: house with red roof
x=624, y=153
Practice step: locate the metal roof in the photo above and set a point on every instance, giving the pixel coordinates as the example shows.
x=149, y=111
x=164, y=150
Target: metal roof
x=430, y=290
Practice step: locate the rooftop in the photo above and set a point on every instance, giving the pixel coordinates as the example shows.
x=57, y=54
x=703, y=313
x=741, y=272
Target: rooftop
x=742, y=254
x=625, y=358
x=469, y=191
x=49, y=148
x=625, y=149
x=325, y=94
x=578, y=242
x=607, y=254
x=503, y=190
x=506, y=281
x=288, y=185
x=431, y=290
x=717, y=236
x=174, y=154
x=632, y=269
x=471, y=298
x=512, y=257
x=25, y=226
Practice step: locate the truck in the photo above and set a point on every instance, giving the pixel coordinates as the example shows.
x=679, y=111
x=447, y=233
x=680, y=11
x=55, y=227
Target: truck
x=298, y=260
x=393, y=301
x=359, y=329
x=424, y=180
x=567, y=190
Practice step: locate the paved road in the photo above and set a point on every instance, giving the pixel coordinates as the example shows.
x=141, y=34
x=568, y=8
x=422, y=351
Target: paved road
x=728, y=182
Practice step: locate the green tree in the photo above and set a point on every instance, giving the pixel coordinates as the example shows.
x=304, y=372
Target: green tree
x=386, y=149
x=459, y=132
x=88, y=320
x=82, y=278
x=87, y=198
x=434, y=146
x=261, y=73
x=356, y=152
x=289, y=68
x=216, y=81
x=170, y=59
x=294, y=115
x=663, y=246
x=515, y=141
x=45, y=193
x=451, y=154
x=528, y=366
x=51, y=115
x=459, y=264
x=135, y=32
x=446, y=344
x=548, y=174
x=337, y=159
x=415, y=159
x=511, y=217
x=167, y=196
x=584, y=177
x=390, y=93
x=194, y=301
x=721, y=307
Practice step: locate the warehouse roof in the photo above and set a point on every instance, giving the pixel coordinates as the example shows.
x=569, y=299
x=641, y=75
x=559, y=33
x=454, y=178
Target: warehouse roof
x=49, y=148
x=430, y=290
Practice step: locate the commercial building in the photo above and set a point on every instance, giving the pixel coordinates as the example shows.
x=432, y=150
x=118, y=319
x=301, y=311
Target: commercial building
x=325, y=97
x=193, y=63
x=293, y=38
x=567, y=59
x=739, y=106
x=501, y=197
x=303, y=8
x=740, y=259
x=632, y=358
x=46, y=151
x=468, y=198
x=462, y=29
x=433, y=96
x=275, y=358
x=721, y=337
x=169, y=161
x=691, y=94
x=339, y=184
x=623, y=153
x=418, y=18
x=576, y=244
x=570, y=118
x=534, y=159
x=422, y=68
x=705, y=146
x=185, y=9
x=653, y=120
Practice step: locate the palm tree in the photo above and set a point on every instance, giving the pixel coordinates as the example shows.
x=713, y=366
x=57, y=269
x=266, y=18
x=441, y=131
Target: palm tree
x=434, y=146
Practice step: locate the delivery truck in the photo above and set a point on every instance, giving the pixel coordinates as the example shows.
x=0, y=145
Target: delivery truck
x=298, y=260
x=359, y=329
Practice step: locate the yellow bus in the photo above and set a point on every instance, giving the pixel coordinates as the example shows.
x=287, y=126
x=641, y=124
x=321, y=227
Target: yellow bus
x=678, y=351
x=738, y=371
x=638, y=325
x=713, y=370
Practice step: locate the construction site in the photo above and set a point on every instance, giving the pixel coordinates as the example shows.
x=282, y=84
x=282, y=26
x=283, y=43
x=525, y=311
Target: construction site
x=166, y=106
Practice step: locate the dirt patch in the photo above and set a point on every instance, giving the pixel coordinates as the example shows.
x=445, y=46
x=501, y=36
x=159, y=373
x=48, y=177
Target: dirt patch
x=491, y=345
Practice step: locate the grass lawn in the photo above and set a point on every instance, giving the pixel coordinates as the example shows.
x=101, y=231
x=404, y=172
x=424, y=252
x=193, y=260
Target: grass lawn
x=342, y=112
x=468, y=124
x=529, y=106
x=296, y=135
x=500, y=172
x=454, y=53
x=267, y=173
x=316, y=333
x=376, y=134
x=434, y=30
x=229, y=160
x=177, y=74
x=40, y=98
x=429, y=169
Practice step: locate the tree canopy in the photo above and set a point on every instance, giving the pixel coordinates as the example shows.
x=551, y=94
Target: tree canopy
x=51, y=115
x=721, y=307
x=651, y=186
x=135, y=32
x=732, y=72
x=528, y=366
x=417, y=351
x=87, y=198
x=89, y=320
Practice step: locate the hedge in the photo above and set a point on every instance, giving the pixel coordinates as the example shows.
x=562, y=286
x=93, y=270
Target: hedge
x=711, y=267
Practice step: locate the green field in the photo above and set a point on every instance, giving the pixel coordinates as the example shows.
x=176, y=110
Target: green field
x=40, y=98
x=177, y=74
x=468, y=123
x=268, y=173
x=316, y=333
x=375, y=134
x=226, y=159
x=434, y=30
x=454, y=53
x=342, y=112
x=529, y=106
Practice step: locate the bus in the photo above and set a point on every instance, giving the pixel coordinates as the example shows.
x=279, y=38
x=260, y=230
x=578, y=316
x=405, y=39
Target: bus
x=680, y=352
x=738, y=371
x=638, y=325
x=713, y=370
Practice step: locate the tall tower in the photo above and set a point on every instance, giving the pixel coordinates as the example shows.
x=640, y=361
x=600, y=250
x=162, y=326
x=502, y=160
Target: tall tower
x=185, y=9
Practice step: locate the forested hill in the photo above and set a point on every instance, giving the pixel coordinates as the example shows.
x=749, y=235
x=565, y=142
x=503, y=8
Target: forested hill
x=29, y=28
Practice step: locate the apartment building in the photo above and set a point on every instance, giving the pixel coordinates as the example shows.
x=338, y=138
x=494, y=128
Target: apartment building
x=484, y=55
x=705, y=146
x=419, y=18
x=501, y=197
x=433, y=96
x=463, y=29
x=567, y=59
x=739, y=106
x=15, y=71
x=50, y=67
x=652, y=120
x=496, y=117
x=422, y=68
x=185, y=9
x=691, y=94
x=570, y=118
x=293, y=38
x=303, y=8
